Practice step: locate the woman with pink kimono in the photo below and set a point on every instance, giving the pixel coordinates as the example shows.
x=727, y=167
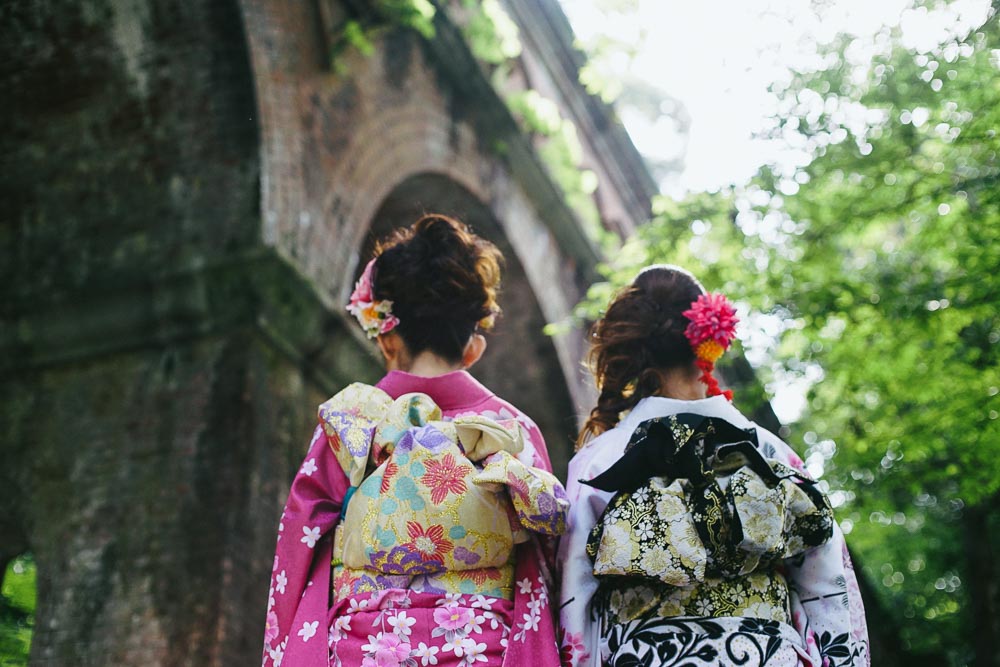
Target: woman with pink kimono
x=418, y=528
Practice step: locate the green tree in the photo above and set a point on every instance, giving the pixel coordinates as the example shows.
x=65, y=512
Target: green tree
x=880, y=258
x=17, y=608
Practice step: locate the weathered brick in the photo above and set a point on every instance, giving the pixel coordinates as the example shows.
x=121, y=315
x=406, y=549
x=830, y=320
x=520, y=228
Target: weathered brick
x=188, y=190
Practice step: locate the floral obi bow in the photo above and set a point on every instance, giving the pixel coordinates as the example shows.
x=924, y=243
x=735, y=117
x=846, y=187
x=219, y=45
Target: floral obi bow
x=433, y=495
x=696, y=498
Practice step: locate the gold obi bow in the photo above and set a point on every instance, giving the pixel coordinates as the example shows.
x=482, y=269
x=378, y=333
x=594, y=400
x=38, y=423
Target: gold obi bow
x=432, y=495
x=697, y=500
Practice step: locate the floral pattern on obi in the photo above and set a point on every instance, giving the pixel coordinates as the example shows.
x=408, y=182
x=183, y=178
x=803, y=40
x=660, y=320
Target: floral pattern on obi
x=805, y=610
x=762, y=595
x=649, y=533
x=701, y=515
x=437, y=505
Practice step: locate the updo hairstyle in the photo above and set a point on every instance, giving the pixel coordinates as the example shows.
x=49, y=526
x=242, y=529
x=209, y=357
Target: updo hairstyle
x=442, y=280
x=641, y=333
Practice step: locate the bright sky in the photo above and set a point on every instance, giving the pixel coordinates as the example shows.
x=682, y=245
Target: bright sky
x=718, y=57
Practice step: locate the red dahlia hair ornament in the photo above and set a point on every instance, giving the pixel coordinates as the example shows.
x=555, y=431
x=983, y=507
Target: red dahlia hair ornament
x=711, y=331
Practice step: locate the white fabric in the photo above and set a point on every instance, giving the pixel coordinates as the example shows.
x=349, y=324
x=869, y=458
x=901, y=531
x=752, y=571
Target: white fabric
x=825, y=596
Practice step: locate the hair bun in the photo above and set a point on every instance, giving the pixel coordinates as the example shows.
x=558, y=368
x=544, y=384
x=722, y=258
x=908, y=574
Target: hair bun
x=438, y=228
x=442, y=280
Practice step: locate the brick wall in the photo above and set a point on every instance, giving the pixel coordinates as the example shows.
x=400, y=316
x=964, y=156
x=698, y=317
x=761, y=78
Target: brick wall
x=186, y=191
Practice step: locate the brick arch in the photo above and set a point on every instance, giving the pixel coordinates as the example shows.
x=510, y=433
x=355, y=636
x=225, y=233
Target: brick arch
x=336, y=145
x=399, y=146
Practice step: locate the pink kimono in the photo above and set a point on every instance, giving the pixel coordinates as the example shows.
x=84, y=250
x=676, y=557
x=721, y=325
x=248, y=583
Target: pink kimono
x=400, y=626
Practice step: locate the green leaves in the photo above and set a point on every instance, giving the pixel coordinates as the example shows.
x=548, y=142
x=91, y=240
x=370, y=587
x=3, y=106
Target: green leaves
x=361, y=29
x=17, y=608
x=881, y=260
x=492, y=35
x=901, y=245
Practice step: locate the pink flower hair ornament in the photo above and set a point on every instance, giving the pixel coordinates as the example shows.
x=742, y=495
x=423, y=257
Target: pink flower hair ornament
x=711, y=330
x=375, y=317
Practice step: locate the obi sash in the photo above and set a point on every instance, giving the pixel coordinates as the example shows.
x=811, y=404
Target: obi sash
x=696, y=506
x=435, y=505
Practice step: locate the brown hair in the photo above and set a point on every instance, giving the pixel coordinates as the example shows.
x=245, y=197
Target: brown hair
x=641, y=334
x=442, y=280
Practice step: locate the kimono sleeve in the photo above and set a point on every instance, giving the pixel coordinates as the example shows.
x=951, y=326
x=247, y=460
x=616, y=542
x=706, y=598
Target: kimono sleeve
x=827, y=610
x=538, y=498
x=580, y=637
x=298, y=600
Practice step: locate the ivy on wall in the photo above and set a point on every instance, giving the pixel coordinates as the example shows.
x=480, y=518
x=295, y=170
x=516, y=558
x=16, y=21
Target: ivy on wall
x=17, y=610
x=360, y=30
x=494, y=40
x=492, y=35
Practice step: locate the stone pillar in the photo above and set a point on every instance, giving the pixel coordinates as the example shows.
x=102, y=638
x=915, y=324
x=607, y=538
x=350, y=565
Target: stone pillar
x=160, y=364
x=183, y=201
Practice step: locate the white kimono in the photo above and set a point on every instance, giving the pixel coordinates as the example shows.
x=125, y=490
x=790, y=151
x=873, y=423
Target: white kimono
x=827, y=616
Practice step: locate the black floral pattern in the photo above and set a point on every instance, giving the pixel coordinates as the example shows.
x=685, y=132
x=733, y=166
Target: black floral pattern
x=686, y=565
x=760, y=595
x=681, y=525
x=839, y=649
x=692, y=642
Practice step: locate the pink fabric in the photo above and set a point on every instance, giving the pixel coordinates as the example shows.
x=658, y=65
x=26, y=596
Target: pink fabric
x=393, y=628
x=300, y=622
x=300, y=583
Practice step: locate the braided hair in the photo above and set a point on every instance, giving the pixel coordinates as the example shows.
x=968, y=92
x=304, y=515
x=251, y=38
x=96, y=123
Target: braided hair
x=640, y=335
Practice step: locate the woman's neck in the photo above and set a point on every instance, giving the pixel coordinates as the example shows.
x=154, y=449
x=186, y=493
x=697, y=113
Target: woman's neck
x=681, y=384
x=428, y=365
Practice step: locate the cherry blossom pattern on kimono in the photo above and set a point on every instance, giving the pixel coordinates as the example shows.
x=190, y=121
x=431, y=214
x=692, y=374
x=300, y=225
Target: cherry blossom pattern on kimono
x=300, y=582
x=297, y=609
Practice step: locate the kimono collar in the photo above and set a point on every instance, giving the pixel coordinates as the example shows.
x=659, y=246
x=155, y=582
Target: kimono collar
x=658, y=406
x=451, y=391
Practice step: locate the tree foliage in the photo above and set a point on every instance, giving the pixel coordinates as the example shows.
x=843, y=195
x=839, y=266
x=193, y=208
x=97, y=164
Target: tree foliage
x=878, y=265
x=17, y=608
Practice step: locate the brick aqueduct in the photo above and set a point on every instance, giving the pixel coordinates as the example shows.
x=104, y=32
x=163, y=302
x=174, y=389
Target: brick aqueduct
x=188, y=188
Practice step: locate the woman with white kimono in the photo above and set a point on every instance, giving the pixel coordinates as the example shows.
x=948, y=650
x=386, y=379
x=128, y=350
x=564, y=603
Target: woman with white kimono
x=695, y=536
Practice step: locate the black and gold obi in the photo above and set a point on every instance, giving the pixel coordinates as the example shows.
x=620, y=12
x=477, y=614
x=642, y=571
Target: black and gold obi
x=700, y=524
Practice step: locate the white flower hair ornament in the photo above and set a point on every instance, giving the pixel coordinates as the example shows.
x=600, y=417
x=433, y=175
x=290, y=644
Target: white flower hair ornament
x=375, y=317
